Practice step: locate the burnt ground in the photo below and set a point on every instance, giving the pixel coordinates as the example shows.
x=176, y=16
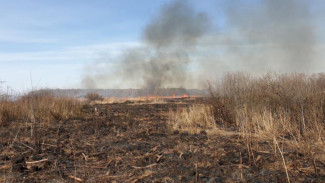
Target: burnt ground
x=132, y=142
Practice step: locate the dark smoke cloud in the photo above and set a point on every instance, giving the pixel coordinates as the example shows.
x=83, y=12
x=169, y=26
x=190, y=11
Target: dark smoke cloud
x=181, y=48
x=163, y=60
x=176, y=25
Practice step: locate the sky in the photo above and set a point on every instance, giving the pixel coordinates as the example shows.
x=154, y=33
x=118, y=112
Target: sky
x=51, y=44
x=48, y=43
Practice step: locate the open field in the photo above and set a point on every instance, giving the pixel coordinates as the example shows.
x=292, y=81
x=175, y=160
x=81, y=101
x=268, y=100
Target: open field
x=165, y=91
x=138, y=141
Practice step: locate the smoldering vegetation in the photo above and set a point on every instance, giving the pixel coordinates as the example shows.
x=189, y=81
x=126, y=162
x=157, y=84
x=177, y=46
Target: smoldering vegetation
x=182, y=47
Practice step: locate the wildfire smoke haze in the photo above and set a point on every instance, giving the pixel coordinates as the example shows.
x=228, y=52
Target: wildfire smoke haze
x=183, y=47
x=281, y=33
x=163, y=59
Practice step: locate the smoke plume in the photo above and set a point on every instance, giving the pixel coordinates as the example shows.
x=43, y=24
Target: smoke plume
x=167, y=39
x=182, y=47
x=280, y=34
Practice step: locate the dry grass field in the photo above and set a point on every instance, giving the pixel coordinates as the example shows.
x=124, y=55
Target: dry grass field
x=250, y=129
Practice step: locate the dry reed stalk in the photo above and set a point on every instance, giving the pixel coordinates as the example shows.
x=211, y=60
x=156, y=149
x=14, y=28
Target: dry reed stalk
x=146, y=174
x=75, y=178
x=283, y=160
x=148, y=166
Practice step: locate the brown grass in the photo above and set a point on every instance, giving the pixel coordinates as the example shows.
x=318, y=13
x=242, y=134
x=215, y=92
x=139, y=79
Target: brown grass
x=38, y=106
x=39, y=110
x=286, y=110
x=193, y=119
x=287, y=107
x=291, y=105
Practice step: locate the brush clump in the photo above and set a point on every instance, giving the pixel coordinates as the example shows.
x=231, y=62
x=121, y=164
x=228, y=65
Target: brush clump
x=290, y=106
x=93, y=96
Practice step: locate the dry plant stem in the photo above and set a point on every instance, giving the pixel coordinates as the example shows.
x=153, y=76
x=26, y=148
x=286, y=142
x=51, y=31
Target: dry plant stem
x=13, y=141
x=146, y=174
x=74, y=162
x=249, y=147
x=241, y=168
x=32, y=118
x=284, y=163
x=148, y=166
x=37, y=136
x=196, y=173
x=35, y=162
x=76, y=179
x=27, y=146
x=315, y=167
x=57, y=137
x=302, y=123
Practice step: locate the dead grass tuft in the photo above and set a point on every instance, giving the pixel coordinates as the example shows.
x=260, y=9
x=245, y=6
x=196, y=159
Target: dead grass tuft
x=38, y=106
x=193, y=119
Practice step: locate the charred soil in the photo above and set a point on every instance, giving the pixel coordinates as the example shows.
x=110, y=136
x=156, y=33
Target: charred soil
x=132, y=142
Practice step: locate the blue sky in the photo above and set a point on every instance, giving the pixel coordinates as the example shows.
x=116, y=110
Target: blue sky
x=47, y=43
x=51, y=42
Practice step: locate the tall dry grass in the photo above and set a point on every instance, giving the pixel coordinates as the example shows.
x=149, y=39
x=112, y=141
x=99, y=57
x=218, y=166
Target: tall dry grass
x=193, y=119
x=290, y=106
x=38, y=106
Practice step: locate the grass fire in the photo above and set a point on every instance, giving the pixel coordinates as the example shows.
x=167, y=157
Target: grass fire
x=213, y=91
